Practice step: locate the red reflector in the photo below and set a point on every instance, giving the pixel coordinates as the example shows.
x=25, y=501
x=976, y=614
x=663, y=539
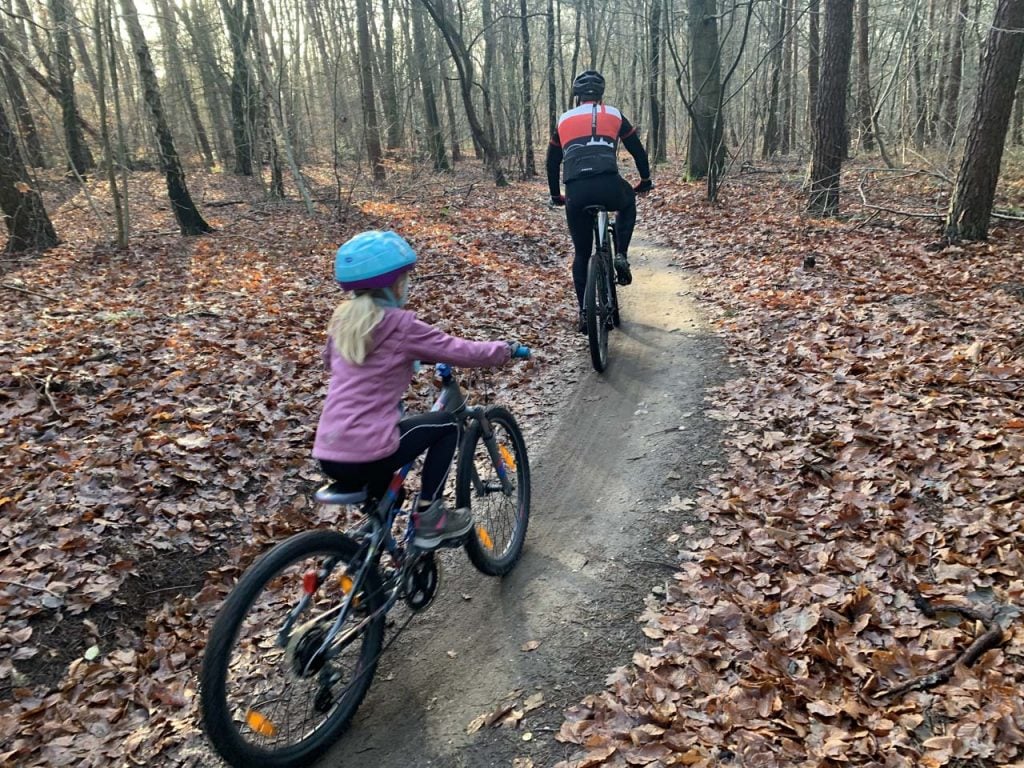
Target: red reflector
x=309, y=582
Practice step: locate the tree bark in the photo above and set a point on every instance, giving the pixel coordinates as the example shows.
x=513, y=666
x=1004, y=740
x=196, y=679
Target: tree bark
x=788, y=83
x=22, y=112
x=389, y=90
x=102, y=18
x=215, y=86
x=187, y=215
x=28, y=225
x=830, y=115
x=951, y=99
x=707, y=153
x=435, y=134
x=243, y=109
x=371, y=130
x=974, y=192
x=813, y=57
x=770, y=145
x=79, y=156
x=864, y=106
x=529, y=163
x=655, y=138
x=552, y=82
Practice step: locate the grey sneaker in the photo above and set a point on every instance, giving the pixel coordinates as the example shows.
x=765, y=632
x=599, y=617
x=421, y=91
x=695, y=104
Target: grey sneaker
x=622, y=272
x=437, y=523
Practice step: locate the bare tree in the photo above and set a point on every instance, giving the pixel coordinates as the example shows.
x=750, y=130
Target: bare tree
x=187, y=215
x=829, y=131
x=529, y=164
x=28, y=225
x=707, y=154
x=971, y=205
x=371, y=130
x=79, y=156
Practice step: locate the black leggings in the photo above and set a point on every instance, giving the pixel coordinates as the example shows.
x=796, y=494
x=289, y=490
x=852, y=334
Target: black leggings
x=437, y=433
x=614, y=193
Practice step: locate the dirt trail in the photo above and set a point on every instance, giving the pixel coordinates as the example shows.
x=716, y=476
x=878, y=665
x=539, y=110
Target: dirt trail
x=594, y=544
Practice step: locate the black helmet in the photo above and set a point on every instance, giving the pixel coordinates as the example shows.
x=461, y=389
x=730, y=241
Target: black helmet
x=588, y=86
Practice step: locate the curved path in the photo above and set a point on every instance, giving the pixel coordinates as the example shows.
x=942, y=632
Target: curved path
x=595, y=548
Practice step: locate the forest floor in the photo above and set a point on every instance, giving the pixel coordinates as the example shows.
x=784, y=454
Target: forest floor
x=863, y=528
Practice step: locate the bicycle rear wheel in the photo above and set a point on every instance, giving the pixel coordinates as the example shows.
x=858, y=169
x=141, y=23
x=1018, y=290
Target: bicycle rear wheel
x=268, y=699
x=500, y=514
x=596, y=306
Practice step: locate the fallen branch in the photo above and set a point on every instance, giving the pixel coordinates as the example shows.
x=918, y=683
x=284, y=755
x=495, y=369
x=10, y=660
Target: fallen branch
x=223, y=203
x=895, y=211
x=31, y=293
x=989, y=639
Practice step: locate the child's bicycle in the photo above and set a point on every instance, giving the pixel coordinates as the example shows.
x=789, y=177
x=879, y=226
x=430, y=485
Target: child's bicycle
x=295, y=645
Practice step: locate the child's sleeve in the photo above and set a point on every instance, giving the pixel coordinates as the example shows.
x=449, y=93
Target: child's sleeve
x=427, y=343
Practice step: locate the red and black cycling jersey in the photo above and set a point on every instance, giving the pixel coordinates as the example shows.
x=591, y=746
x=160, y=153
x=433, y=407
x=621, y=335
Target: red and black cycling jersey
x=586, y=142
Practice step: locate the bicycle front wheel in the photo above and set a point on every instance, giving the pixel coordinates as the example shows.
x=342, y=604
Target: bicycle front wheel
x=270, y=697
x=596, y=306
x=501, y=510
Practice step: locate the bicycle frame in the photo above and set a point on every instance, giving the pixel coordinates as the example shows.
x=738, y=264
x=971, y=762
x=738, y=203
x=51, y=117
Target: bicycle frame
x=377, y=537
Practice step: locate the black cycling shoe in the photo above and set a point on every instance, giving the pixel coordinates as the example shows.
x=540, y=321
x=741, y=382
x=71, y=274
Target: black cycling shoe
x=583, y=322
x=623, y=276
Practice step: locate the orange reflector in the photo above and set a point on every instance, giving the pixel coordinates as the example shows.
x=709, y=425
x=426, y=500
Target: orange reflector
x=485, y=538
x=507, y=457
x=346, y=584
x=259, y=723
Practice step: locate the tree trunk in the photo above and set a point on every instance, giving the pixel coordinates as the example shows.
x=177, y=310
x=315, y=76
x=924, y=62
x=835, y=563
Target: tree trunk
x=788, y=82
x=552, y=83
x=243, y=120
x=215, y=86
x=974, y=192
x=435, y=134
x=371, y=130
x=655, y=138
x=22, y=111
x=79, y=156
x=529, y=163
x=102, y=18
x=951, y=100
x=390, y=93
x=28, y=225
x=706, y=154
x=830, y=114
x=920, y=97
x=177, y=75
x=189, y=219
x=864, y=106
x=453, y=127
x=770, y=145
x=813, y=58
x=464, y=66
x=487, y=75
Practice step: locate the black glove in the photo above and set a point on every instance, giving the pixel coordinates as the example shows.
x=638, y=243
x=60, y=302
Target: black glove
x=558, y=200
x=645, y=185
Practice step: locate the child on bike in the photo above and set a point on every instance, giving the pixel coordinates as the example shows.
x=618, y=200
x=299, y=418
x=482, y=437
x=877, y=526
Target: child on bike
x=372, y=348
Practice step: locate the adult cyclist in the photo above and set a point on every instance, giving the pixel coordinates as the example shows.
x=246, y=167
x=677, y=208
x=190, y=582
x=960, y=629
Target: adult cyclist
x=586, y=143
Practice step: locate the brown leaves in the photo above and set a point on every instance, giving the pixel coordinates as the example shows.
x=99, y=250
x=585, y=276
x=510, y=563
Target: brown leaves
x=873, y=452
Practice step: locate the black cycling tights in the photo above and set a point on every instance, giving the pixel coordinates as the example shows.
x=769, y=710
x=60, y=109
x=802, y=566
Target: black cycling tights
x=437, y=433
x=614, y=193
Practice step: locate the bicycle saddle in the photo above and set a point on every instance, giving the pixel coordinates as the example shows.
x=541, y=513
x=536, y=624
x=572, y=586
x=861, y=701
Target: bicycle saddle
x=333, y=494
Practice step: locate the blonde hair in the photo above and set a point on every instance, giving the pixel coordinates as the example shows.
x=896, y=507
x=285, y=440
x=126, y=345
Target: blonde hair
x=351, y=326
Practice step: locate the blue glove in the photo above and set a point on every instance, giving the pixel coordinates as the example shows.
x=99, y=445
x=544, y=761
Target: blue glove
x=518, y=350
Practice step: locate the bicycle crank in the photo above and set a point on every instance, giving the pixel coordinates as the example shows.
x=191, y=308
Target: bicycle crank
x=421, y=581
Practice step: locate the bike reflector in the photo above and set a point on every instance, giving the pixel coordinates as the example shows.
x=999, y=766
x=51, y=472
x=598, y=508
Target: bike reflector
x=485, y=538
x=259, y=723
x=507, y=457
x=309, y=582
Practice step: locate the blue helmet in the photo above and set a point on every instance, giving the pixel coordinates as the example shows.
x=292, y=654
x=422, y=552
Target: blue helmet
x=372, y=259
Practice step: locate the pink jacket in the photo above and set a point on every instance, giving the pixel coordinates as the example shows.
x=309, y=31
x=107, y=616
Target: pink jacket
x=359, y=422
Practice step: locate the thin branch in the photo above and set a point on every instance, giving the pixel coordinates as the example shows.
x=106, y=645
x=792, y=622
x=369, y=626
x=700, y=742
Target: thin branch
x=28, y=291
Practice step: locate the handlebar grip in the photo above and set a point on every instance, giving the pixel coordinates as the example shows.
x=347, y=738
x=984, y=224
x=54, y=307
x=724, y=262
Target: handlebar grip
x=521, y=352
x=443, y=371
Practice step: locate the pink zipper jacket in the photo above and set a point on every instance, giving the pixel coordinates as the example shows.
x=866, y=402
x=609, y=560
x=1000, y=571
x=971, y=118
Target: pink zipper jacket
x=359, y=422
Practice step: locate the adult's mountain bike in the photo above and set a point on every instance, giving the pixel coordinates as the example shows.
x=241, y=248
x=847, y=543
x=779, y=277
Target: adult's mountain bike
x=600, y=300
x=295, y=646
